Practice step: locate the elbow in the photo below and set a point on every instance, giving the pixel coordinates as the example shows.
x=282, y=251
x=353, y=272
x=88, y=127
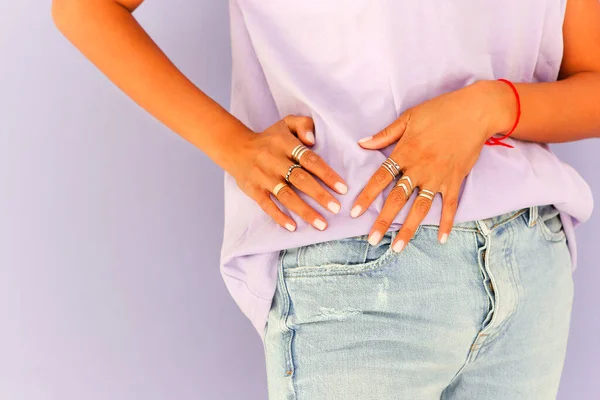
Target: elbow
x=62, y=12
x=57, y=10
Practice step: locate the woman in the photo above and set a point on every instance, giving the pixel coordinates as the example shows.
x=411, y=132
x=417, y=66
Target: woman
x=431, y=259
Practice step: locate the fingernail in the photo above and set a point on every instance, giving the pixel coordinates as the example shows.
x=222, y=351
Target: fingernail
x=334, y=207
x=355, y=211
x=444, y=238
x=310, y=137
x=341, y=188
x=319, y=224
x=290, y=227
x=398, y=246
x=374, y=238
x=365, y=139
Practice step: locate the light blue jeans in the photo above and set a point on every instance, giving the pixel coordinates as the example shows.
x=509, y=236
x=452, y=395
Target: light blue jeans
x=483, y=317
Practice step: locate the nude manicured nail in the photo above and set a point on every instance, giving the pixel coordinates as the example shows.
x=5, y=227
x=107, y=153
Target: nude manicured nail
x=310, y=137
x=365, y=139
x=444, y=238
x=334, y=207
x=398, y=246
x=319, y=224
x=355, y=211
x=374, y=238
x=290, y=227
x=341, y=188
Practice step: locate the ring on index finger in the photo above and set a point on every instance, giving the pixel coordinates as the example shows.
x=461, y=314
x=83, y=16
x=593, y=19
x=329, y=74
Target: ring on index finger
x=298, y=152
x=392, y=167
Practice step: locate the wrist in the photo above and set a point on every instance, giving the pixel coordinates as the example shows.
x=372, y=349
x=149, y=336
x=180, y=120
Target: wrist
x=502, y=107
x=234, y=144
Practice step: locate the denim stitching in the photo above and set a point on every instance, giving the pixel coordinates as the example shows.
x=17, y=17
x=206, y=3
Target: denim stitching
x=508, y=219
x=310, y=271
x=515, y=282
x=454, y=228
x=365, y=253
x=469, y=358
x=288, y=334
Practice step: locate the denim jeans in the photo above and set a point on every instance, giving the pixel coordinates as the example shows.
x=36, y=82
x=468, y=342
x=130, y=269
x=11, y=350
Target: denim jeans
x=483, y=317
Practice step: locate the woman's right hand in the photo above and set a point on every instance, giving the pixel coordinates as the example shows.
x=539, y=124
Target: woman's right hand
x=262, y=162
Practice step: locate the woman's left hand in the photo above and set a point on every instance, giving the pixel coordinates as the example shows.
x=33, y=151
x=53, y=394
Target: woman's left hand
x=439, y=141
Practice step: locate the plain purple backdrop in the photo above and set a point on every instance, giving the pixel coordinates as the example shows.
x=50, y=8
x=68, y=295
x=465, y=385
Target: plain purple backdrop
x=111, y=227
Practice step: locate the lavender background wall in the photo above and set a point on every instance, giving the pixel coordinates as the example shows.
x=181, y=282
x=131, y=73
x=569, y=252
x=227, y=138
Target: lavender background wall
x=110, y=229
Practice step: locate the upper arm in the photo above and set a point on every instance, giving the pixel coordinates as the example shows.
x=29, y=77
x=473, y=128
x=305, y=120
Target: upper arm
x=581, y=35
x=60, y=5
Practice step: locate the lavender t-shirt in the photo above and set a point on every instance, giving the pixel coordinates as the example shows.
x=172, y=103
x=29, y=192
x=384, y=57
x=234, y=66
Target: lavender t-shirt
x=354, y=67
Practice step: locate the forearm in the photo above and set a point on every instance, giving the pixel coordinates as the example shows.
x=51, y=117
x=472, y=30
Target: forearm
x=110, y=37
x=561, y=111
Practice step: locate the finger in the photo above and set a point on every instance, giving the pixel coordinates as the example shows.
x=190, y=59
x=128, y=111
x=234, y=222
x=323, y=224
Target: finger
x=392, y=206
x=302, y=126
x=313, y=163
x=449, y=207
x=268, y=206
x=305, y=182
x=388, y=135
x=290, y=199
x=417, y=213
x=378, y=181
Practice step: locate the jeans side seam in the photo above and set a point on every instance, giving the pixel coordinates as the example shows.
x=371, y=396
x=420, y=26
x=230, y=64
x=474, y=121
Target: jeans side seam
x=288, y=332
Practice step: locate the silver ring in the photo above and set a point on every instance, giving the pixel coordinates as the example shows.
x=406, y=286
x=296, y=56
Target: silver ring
x=408, y=180
x=298, y=152
x=392, y=167
x=278, y=187
x=428, y=194
x=289, y=172
x=403, y=186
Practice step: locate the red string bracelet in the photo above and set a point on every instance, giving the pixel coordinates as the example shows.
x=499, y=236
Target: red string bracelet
x=499, y=141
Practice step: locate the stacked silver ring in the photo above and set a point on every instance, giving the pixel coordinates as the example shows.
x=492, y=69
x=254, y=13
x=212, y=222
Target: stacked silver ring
x=278, y=187
x=290, y=169
x=428, y=194
x=392, y=167
x=401, y=184
x=298, y=152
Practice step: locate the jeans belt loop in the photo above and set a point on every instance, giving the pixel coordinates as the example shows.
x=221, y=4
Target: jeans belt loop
x=533, y=215
x=483, y=227
x=393, y=236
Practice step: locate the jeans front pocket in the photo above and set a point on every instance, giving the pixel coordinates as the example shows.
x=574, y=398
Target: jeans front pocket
x=348, y=256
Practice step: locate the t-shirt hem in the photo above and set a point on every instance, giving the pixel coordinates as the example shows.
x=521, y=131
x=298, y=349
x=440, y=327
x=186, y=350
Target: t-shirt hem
x=254, y=307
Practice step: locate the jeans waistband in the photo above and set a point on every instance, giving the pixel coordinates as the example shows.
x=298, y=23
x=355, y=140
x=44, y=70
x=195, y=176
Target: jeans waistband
x=529, y=214
x=486, y=225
